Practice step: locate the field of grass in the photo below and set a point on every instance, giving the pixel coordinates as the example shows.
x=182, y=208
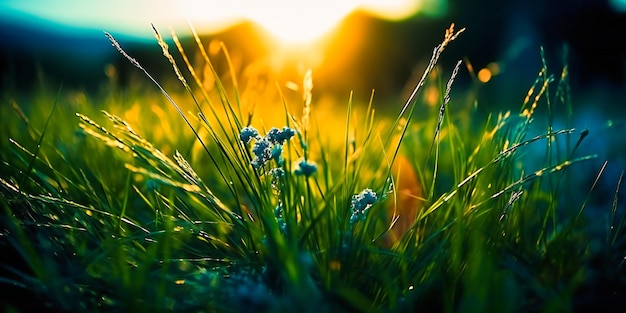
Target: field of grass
x=212, y=197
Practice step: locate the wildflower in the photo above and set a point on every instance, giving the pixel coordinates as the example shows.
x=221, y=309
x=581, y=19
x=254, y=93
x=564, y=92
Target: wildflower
x=248, y=133
x=277, y=136
x=278, y=211
x=361, y=203
x=280, y=218
x=268, y=147
x=277, y=154
x=306, y=168
x=282, y=225
x=286, y=134
x=262, y=152
x=277, y=174
x=272, y=135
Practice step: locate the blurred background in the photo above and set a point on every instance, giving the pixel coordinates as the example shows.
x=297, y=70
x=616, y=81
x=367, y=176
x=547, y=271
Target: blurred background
x=351, y=45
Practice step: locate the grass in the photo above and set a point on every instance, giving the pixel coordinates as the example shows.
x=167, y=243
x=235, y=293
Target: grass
x=212, y=205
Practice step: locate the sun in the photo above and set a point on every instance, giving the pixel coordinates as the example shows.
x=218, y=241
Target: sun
x=299, y=22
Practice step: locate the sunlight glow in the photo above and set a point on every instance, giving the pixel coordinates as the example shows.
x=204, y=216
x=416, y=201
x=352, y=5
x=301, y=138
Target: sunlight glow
x=291, y=21
x=391, y=9
x=295, y=21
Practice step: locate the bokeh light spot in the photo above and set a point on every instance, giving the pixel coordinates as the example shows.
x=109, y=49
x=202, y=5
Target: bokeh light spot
x=484, y=75
x=487, y=73
x=432, y=95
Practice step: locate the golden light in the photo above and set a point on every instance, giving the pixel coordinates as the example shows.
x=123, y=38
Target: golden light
x=393, y=9
x=293, y=22
x=296, y=21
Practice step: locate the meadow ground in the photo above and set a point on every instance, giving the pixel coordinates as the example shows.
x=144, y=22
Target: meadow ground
x=208, y=193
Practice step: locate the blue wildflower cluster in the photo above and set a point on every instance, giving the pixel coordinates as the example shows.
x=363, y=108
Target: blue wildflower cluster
x=277, y=176
x=278, y=136
x=270, y=147
x=305, y=168
x=262, y=151
x=277, y=173
x=361, y=203
x=266, y=148
x=248, y=133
